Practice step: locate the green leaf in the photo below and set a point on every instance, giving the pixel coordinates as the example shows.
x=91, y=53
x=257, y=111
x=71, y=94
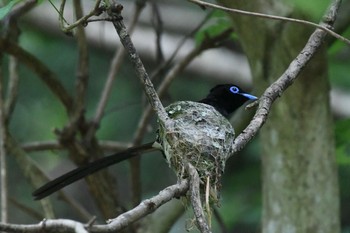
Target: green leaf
x=343, y=155
x=312, y=9
x=342, y=138
x=219, y=22
x=338, y=46
x=7, y=8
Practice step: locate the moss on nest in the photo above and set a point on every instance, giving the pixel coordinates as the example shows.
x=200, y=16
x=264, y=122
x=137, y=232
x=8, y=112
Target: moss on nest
x=200, y=135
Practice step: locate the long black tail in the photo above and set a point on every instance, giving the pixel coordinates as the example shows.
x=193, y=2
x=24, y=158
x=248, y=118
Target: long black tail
x=81, y=172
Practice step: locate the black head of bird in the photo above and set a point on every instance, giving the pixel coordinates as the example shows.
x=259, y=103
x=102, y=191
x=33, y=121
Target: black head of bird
x=226, y=98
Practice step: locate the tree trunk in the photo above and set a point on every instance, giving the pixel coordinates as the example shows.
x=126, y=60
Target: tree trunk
x=300, y=186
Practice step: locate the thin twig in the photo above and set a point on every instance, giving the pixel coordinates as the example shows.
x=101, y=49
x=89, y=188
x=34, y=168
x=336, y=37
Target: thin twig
x=99, y=20
x=60, y=12
x=157, y=24
x=81, y=21
x=41, y=146
x=54, y=145
x=3, y=167
x=83, y=62
x=46, y=225
x=273, y=17
x=12, y=88
x=196, y=202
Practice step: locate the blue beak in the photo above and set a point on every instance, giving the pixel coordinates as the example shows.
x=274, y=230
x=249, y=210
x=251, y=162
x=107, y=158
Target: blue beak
x=251, y=97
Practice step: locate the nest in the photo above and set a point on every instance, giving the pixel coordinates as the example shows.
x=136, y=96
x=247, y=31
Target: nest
x=201, y=136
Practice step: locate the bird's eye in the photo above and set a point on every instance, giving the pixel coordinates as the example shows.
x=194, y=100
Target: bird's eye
x=234, y=89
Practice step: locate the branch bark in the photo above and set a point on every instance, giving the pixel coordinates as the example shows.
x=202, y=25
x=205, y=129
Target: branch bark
x=63, y=225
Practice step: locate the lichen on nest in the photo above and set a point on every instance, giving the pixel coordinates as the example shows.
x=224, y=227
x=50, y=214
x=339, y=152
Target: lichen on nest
x=201, y=136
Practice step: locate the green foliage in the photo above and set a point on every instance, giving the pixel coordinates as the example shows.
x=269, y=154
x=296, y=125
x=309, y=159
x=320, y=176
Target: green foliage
x=313, y=9
x=241, y=198
x=338, y=45
x=219, y=22
x=7, y=8
x=339, y=73
x=339, y=55
x=342, y=136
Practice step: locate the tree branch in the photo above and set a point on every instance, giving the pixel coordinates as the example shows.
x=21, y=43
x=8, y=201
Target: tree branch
x=202, y=223
x=144, y=208
x=54, y=145
x=12, y=88
x=3, y=154
x=57, y=225
x=82, y=20
x=83, y=62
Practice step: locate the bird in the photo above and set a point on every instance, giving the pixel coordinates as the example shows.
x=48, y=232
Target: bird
x=222, y=100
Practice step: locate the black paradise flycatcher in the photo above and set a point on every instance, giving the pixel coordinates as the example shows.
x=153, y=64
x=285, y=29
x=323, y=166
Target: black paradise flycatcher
x=202, y=136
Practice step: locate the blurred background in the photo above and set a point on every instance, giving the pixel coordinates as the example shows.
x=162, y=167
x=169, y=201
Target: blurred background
x=38, y=113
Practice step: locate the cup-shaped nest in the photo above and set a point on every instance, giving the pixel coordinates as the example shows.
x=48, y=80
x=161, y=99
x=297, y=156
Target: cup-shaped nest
x=199, y=135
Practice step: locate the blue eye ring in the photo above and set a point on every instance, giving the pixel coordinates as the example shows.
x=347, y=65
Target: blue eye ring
x=234, y=90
